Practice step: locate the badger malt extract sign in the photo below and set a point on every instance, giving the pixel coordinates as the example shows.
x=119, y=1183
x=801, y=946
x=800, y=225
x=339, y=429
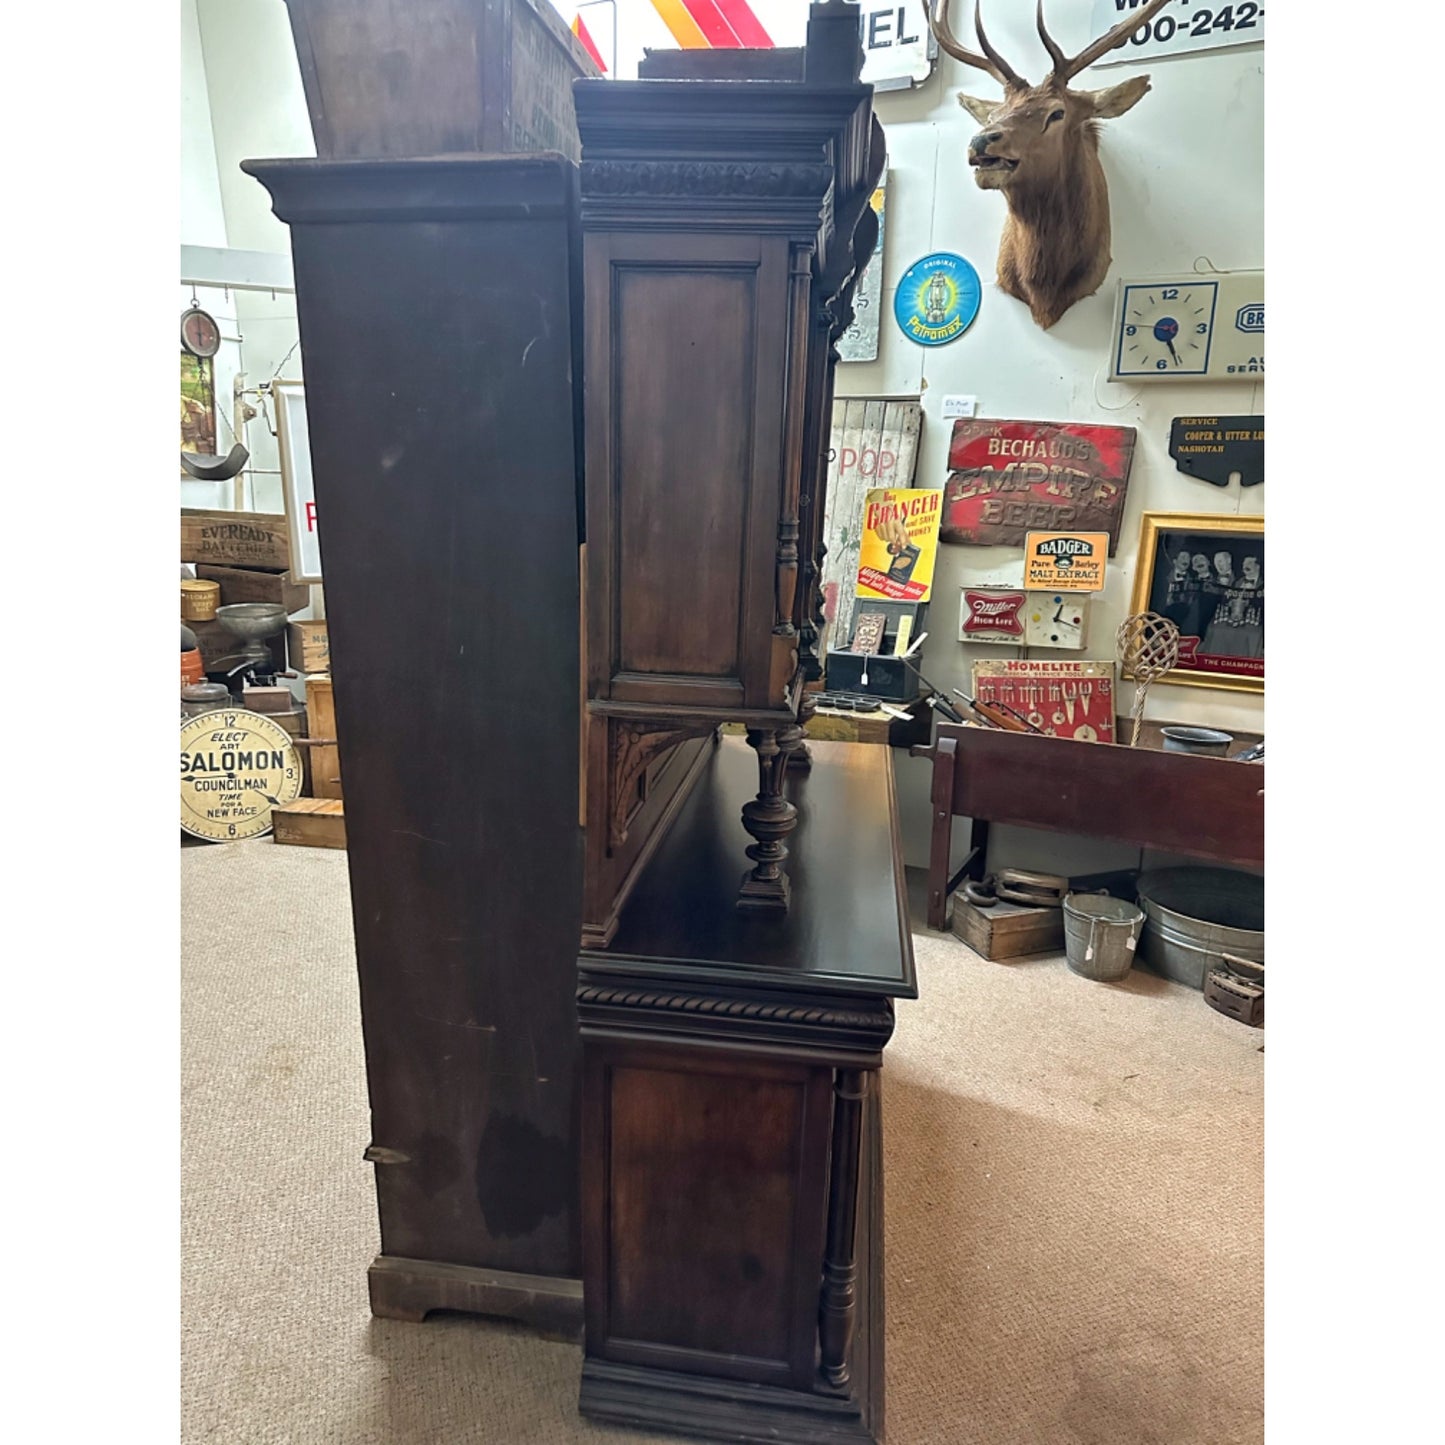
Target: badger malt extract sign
x=1065, y=561
x=899, y=545
x=1009, y=478
x=235, y=767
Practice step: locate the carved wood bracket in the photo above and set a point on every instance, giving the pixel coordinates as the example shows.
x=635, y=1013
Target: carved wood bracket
x=631, y=747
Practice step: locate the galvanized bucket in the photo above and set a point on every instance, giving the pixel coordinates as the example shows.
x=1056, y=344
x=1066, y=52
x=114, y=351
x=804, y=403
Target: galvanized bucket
x=1194, y=916
x=1100, y=935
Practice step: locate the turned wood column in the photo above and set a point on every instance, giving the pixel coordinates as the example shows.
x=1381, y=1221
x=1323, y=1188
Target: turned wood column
x=837, y=1309
x=769, y=818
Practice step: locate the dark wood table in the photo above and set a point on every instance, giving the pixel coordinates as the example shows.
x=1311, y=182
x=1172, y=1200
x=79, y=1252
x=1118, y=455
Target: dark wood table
x=731, y=1151
x=1211, y=808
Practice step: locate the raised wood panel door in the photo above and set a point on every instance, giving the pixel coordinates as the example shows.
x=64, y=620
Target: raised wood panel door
x=708, y=1210
x=685, y=394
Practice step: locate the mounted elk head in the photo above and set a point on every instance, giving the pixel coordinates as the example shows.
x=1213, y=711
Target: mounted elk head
x=1040, y=146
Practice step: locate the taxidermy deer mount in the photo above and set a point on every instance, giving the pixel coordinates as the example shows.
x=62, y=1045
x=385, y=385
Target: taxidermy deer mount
x=1040, y=146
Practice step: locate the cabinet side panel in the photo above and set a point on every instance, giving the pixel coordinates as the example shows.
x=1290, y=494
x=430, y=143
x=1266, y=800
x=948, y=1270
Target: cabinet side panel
x=438, y=359
x=684, y=353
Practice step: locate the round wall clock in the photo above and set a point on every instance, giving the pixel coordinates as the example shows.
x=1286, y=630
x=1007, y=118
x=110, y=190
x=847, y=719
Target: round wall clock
x=937, y=299
x=199, y=333
x=235, y=767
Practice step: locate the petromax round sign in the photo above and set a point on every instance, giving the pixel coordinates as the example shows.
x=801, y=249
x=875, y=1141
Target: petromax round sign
x=937, y=299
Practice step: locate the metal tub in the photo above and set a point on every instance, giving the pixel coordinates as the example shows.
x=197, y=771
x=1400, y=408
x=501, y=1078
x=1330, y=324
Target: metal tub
x=1193, y=916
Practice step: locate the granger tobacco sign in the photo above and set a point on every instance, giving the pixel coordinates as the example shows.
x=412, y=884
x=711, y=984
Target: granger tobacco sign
x=1010, y=478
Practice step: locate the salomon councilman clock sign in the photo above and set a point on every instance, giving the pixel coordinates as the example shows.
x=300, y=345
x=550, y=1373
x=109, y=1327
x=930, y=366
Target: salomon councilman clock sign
x=235, y=767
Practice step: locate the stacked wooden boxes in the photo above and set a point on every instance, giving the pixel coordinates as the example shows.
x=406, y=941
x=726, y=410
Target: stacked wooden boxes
x=248, y=555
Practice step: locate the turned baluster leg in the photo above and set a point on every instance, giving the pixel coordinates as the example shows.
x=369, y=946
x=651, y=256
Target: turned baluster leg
x=800, y=760
x=837, y=1304
x=769, y=818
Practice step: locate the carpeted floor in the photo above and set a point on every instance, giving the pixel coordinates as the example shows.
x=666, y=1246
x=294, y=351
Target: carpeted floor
x=1074, y=1205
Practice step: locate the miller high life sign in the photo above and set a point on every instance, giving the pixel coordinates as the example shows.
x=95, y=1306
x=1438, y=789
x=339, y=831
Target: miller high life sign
x=992, y=615
x=1010, y=478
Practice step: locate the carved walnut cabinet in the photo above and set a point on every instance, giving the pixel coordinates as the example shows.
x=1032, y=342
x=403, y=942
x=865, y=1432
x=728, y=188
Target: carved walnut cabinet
x=724, y=224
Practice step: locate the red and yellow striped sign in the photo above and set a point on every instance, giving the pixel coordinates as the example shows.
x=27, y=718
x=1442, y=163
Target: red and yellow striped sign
x=580, y=30
x=713, y=24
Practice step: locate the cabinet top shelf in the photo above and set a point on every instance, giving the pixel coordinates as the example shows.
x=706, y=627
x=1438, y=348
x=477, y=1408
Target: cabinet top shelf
x=846, y=931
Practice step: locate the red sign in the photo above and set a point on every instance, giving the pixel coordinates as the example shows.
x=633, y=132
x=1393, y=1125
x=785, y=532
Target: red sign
x=1010, y=478
x=996, y=615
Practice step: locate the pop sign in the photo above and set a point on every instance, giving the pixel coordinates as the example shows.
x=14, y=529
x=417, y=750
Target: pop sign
x=1065, y=561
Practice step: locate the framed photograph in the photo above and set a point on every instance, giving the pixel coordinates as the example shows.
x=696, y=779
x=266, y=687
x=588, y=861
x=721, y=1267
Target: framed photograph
x=294, y=442
x=1205, y=571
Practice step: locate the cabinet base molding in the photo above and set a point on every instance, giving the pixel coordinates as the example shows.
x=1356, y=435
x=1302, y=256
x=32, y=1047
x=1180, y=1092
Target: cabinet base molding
x=409, y=1289
x=716, y=1409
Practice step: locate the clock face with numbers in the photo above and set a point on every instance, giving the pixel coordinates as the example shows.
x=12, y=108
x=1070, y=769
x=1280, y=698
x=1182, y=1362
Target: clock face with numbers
x=1167, y=330
x=235, y=767
x=1177, y=328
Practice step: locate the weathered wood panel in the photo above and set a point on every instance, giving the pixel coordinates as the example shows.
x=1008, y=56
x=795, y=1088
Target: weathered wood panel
x=874, y=443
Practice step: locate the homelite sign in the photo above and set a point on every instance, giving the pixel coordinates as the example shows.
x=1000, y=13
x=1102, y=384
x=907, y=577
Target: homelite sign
x=1065, y=561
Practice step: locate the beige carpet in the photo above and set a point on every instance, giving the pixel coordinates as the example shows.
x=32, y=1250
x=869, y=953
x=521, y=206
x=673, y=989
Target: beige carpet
x=1074, y=1200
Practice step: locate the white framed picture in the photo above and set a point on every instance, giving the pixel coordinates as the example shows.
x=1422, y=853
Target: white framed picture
x=297, y=488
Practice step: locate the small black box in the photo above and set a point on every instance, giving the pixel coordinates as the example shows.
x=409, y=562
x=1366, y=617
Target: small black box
x=892, y=678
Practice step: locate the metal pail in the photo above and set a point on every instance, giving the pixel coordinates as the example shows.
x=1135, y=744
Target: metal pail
x=1099, y=935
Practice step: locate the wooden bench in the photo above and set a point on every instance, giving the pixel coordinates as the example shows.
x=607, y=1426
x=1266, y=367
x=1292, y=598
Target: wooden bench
x=1209, y=808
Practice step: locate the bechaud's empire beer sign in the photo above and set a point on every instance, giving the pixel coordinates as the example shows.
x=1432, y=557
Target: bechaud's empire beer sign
x=1009, y=478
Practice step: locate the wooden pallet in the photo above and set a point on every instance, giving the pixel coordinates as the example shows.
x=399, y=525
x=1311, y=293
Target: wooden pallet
x=310, y=822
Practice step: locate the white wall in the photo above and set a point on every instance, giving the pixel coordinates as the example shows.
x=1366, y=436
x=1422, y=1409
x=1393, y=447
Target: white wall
x=1185, y=170
x=241, y=99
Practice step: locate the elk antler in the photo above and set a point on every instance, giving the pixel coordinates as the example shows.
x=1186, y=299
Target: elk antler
x=991, y=61
x=1065, y=69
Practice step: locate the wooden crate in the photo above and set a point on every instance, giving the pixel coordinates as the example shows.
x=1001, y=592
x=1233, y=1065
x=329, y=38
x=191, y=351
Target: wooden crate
x=321, y=723
x=1008, y=930
x=235, y=539
x=310, y=823
x=252, y=584
x=308, y=646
